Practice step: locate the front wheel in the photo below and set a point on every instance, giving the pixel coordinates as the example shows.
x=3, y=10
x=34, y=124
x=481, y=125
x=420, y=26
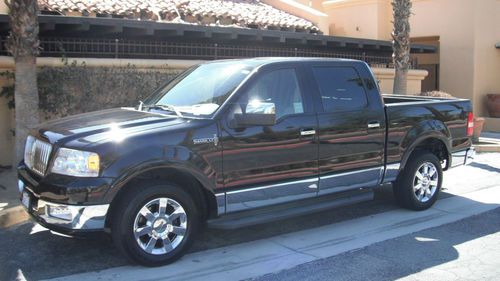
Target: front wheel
x=155, y=224
x=419, y=184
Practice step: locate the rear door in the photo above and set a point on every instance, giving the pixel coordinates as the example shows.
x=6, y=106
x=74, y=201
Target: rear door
x=351, y=126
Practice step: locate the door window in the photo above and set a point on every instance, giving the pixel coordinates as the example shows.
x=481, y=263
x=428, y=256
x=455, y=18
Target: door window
x=280, y=87
x=341, y=88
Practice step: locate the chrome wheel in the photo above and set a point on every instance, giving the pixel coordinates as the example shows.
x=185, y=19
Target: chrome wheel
x=160, y=226
x=425, y=182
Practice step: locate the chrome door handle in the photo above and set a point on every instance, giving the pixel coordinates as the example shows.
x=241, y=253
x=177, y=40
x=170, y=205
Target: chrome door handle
x=373, y=125
x=307, y=132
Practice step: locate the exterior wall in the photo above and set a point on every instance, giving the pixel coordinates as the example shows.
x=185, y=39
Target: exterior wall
x=469, y=62
x=486, y=57
x=384, y=76
x=359, y=18
x=303, y=9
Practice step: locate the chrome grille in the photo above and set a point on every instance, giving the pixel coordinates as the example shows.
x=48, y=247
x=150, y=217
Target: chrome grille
x=36, y=155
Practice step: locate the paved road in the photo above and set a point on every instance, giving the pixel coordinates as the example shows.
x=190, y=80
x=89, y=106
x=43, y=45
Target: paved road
x=33, y=252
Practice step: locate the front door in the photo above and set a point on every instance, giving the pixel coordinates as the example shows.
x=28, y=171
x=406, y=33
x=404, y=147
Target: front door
x=265, y=165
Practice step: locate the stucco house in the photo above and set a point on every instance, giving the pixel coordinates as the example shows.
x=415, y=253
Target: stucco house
x=466, y=35
x=180, y=33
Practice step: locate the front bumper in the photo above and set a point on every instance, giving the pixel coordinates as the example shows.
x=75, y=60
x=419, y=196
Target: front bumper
x=463, y=157
x=63, y=218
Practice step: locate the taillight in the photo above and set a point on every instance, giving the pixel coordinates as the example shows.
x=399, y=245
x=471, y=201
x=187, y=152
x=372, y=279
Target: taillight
x=470, y=124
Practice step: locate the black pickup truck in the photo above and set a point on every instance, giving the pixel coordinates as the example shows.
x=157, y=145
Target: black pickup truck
x=235, y=143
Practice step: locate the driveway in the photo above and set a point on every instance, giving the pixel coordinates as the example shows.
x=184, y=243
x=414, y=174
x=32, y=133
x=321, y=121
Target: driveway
x=371, y=235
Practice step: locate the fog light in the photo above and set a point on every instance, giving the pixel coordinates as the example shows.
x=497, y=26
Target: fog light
x=60, y=212
x=20, y=185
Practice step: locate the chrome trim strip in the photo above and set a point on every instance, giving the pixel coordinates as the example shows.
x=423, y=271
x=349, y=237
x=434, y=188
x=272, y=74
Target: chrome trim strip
x=261, y=196
x=221, y=203
x=350, y=173
x=369, y=177
x=391, y=172
x=270, y=186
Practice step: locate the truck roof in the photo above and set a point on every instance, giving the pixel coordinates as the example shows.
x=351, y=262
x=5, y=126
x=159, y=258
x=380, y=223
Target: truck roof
x=259, y=61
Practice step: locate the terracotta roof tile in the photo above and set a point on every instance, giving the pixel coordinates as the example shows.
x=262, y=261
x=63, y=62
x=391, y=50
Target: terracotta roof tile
x=238, y=13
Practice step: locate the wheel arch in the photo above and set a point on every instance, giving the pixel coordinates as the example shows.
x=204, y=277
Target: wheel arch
x=201, y=192
x=436, y=144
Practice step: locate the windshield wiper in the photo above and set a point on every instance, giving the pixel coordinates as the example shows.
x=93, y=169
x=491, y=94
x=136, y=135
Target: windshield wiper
x=140, y=106
x=167, y=107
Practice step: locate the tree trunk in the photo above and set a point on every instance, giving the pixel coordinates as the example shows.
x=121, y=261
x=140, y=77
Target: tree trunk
x=23, y=44
x=401, y=44
x=26, y=100
x=400, y=81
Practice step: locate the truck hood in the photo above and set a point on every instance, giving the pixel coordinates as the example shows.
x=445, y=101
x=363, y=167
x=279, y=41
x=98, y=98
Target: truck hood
x=81, y=126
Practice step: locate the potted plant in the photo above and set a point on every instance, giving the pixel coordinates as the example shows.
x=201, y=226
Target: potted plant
x=493, y=104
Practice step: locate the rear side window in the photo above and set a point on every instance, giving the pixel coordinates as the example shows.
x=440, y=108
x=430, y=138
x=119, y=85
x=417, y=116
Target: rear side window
x=341, y=88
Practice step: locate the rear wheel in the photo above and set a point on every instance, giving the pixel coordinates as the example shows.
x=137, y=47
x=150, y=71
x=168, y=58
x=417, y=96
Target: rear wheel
x=155, y=224
x=419, y=184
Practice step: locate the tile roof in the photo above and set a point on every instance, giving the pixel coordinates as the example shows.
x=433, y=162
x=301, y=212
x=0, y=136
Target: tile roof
x=236, y=13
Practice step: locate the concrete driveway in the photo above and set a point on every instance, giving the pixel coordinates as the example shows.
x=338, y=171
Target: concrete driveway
x=369, y=240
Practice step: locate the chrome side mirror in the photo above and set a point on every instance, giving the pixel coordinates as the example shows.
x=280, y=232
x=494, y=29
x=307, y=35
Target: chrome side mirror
x=257, y=113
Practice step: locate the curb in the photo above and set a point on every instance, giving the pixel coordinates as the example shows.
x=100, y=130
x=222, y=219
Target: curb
x=487, y=148
x=487, y=145
x=13, y=216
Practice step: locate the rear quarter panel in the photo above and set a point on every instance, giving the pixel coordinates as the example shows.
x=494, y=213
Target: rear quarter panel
x=411, y=123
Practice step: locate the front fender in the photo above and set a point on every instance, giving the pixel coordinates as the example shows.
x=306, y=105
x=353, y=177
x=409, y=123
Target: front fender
x=135, y=171
x=166, y=150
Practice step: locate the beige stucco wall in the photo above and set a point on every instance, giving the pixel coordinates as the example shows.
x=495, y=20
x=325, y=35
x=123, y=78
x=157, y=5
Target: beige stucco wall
x=469, y=62
x=385, y=76
x=486, y=56
x=359, y=18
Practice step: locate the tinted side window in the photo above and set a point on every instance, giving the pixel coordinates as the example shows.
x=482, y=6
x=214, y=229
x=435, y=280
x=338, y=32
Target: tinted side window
x=280, y=87
x=341, y=88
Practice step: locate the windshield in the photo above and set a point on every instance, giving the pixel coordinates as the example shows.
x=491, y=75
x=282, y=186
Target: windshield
x=200, y=90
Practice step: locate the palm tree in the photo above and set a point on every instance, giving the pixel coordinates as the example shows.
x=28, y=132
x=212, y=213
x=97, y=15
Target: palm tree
x=23, y=44
x=401, y=44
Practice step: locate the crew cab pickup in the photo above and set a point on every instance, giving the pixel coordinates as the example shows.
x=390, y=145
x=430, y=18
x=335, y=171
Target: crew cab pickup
x=235, y=143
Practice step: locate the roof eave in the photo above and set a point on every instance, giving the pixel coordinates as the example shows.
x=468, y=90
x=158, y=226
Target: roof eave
x=64, y=25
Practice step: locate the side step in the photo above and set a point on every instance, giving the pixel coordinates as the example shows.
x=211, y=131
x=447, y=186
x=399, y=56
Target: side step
x=288, y=210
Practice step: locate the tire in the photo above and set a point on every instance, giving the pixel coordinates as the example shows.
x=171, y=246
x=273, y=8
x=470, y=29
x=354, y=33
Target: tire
x=419, y=191
x=145, y=233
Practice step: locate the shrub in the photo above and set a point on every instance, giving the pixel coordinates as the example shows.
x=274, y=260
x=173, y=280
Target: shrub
x=77, y=88
x=436, y=94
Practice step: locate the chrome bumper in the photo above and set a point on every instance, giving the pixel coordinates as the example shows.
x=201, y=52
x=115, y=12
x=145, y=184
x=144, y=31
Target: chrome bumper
x=463, y=157
x=61, y=217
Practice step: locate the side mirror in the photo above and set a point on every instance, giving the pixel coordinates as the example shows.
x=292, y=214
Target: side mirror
x=257, y=114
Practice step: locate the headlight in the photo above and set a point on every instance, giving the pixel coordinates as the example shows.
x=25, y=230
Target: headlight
x=76, y=163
